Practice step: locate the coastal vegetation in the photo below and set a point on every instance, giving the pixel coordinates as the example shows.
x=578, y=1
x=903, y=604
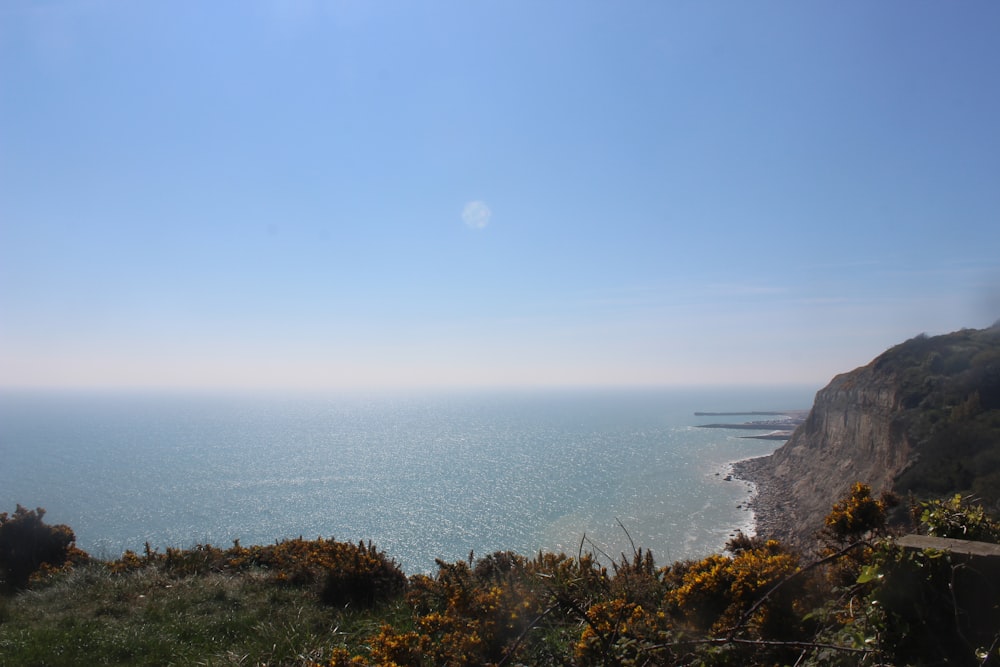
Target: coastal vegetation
x=863, y=600
x=949, y=396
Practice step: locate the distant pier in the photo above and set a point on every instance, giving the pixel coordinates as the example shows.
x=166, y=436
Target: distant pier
x=780, y=429
x=741, y=414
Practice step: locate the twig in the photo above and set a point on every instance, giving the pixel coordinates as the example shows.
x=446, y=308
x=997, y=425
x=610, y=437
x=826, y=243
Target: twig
x=989, y=652
x=955, y=607
x=625, y=530
x=600, y=551
x=722, y=641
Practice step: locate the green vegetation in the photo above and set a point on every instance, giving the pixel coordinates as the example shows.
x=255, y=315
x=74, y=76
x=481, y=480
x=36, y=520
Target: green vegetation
x=949, y=397
x=286, y=603
x=30, y=547
x=322, y=602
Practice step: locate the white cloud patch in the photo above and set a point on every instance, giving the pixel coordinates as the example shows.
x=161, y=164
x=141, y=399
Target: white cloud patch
x=476, y=214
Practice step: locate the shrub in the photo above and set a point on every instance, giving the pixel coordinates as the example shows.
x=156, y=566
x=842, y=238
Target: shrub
x=958, y=518
x=361, y=576
x=713, y=594
x=343, y=574
x=474, y=615
x=29, y=546
x=858, y=515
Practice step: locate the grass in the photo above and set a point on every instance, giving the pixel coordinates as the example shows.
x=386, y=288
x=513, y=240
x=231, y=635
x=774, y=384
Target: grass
x=151, y=617
x=284, y=604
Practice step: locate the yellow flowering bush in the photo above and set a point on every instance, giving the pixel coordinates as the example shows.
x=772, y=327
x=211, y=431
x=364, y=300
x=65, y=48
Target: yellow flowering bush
x=476, y=616
x=620, y=631
x=858, y=514
x=712, y=594
x=391, y=648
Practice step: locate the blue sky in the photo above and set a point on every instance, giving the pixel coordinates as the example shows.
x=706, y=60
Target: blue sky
x=353, y=194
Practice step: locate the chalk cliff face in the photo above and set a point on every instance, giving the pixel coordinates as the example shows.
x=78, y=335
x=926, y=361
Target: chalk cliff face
x=849, y=436
x=926, y=406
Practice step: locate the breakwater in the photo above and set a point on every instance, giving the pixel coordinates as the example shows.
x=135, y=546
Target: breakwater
x=779, y=429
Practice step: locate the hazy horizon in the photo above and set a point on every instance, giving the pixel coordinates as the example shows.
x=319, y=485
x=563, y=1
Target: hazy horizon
x=335, y=196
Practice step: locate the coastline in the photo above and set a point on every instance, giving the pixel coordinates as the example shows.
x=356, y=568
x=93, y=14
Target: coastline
x=764, y=501
x=769, y=518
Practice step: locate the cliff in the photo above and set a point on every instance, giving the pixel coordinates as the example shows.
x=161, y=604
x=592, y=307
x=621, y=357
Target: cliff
x=923, y=419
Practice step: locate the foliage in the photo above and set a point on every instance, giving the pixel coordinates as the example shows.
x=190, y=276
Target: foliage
x=948, y=391
x=556, y=609
x=321, y=602
x=29, y=547
x=481, y=613
x=341, y=573
x=935, y=607
x=859, y=515
x=149, y=617
x=957, y=517
x=712, y=595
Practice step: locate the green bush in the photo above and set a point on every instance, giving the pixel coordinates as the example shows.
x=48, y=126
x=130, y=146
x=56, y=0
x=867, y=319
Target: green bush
x=939, y=607
x=958, y=518
x=343, y=574
x=29, y=546
x=362, y=577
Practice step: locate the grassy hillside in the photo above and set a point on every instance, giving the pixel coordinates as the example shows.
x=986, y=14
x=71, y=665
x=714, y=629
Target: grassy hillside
x=327, y=603
x=93, y=616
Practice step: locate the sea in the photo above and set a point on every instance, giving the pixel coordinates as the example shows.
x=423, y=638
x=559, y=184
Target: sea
x=422, y=475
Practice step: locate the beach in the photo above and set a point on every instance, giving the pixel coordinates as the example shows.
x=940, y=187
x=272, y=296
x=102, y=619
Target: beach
x=770, y=517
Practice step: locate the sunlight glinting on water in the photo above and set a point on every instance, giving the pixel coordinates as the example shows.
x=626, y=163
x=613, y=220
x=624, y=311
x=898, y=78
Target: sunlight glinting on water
x=422, y=477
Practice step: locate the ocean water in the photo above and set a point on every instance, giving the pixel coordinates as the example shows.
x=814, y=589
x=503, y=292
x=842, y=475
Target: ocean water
x=422, y=475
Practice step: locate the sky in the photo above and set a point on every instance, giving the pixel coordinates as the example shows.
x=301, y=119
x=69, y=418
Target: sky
x=296, y=194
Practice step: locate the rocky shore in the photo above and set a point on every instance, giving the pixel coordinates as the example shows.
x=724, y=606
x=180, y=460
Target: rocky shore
x=771, y=516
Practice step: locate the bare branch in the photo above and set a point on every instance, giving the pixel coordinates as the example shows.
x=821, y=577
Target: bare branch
x=722, y=641
x=625, y=530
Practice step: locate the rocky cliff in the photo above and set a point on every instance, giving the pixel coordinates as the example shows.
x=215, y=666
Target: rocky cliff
x=922, y=418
